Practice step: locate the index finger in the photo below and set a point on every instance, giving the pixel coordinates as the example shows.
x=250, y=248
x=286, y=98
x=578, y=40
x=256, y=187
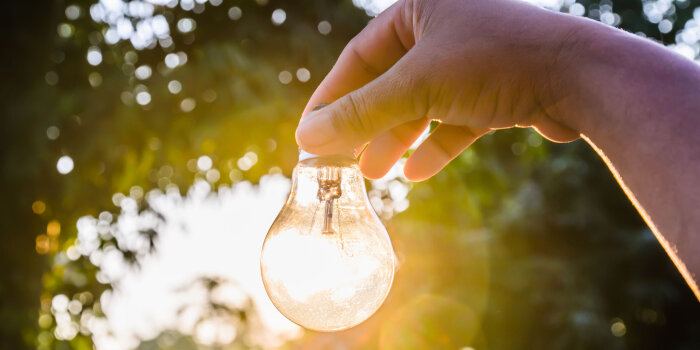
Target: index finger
x=369, y=54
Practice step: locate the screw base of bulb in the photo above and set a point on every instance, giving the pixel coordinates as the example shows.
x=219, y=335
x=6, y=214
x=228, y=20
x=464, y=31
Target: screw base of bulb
x=303, y=155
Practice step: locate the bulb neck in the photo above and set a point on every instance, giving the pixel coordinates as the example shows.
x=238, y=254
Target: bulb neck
x=333, y=179
x=333, y=159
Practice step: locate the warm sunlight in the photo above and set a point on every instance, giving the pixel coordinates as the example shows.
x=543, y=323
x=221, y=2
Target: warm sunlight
x=148, y=147
x=208, y=235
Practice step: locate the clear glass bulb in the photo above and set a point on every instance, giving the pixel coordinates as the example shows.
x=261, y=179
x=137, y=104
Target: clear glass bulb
x=327, y=261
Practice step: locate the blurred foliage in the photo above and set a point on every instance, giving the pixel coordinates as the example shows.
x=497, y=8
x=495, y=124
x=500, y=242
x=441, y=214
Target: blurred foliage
x=519, y=243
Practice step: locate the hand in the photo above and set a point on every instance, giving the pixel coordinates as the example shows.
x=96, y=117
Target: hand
x=480, y=65
x=472, y=65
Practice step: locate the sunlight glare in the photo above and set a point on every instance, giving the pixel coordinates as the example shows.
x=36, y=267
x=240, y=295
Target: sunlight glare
x=223, y=233
x=322, y=256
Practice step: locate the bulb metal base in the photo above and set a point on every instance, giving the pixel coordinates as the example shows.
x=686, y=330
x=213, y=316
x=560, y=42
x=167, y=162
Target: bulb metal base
x=303, y=155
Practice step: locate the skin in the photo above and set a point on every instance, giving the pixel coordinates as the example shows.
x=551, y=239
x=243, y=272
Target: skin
x=475, y=66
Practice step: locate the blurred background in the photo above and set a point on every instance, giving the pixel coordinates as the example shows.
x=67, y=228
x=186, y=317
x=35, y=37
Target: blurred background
x=147, y=146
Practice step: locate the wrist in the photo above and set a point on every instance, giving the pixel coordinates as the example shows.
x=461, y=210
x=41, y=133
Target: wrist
x=605, y=75
x=574, y=73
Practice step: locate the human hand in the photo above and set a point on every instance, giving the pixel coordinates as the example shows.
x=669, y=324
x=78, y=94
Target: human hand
x=472, y=65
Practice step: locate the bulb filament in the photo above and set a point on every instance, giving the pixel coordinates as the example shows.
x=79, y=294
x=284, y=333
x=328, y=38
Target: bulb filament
x=328, y=191
x=328, y=218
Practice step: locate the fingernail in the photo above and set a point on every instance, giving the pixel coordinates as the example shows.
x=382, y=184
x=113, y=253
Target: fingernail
x=319, y=106
x=313, y=111
x=315, y=131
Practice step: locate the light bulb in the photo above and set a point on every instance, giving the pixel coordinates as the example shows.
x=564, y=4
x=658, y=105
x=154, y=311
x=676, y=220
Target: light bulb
x=327, y=262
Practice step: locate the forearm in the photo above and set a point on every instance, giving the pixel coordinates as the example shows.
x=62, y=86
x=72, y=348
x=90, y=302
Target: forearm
x=638, y=104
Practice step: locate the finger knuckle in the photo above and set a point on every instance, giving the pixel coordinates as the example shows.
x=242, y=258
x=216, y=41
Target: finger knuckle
x=350, y=117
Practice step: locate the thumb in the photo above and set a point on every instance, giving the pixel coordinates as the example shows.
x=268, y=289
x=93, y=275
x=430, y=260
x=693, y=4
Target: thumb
x=358, y=117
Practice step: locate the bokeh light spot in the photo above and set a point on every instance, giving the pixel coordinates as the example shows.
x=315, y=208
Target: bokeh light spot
x=247, y=161
x=53, y=132
x=42, y=244
x=188, y=104
x=204, y=163
x=182, y=58
x=213, y=175
x=174, y=87
x=64, y=165
x=53, y=228
x=95, y=79
x=166, y=42
x=117, y=199
x=131, y=57
x=160, y=27
x=209, y=96
x=534, y=139
x=235, y=175
x=235, y=13
x=72, y=253
x=518, y=148
x=278, y=17
x=127, y=98
x=187, y=5
x=172, y=60
x=285, y=77
x=618, y=328
x=136, y=192
x=65, y=30
x=94, y=56
x=51, y=78
x=303, y=75
x=143, y=98
x=38, y=207
x=324, y=27
x=45, y=321
x=143, y=72
x=73, y=12
x=111, y=36
x=186, y=25
x=74, y=306
x=275, y=170
x=59, y=303
x=607, y=18
x=665, y=26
